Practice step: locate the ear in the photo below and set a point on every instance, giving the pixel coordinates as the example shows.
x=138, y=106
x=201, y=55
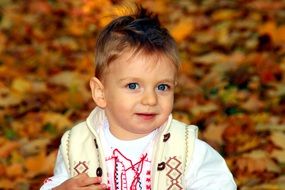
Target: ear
x=97, y=90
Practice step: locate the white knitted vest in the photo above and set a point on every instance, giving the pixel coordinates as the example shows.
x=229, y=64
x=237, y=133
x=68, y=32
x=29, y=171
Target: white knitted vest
x=82, y=152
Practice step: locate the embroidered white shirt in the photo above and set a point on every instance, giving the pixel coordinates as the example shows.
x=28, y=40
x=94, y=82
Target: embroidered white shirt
x=128, y=162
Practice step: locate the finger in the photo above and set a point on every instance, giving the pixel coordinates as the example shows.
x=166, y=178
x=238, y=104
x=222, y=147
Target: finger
x=102, y=187
x=81, y=176
x=84, y=180
x=97, y=187
x=94, y=181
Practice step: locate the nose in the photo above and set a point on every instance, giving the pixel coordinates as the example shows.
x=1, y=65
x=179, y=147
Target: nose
x=149, y=98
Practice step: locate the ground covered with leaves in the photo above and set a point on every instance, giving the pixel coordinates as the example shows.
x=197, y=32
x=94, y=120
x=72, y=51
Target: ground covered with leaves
x=231, y=83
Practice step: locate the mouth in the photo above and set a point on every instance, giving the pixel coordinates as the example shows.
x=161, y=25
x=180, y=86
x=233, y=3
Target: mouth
x=146, y=116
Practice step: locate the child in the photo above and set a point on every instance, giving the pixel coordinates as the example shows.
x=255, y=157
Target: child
x=130, y=140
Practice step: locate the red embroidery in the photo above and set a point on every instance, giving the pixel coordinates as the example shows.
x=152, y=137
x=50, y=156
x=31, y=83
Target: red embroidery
x=47, y=180
x=124, y=167
x=108, y=182
x=148, y=180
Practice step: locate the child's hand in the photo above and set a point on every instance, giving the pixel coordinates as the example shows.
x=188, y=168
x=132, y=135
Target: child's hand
x=82, y=181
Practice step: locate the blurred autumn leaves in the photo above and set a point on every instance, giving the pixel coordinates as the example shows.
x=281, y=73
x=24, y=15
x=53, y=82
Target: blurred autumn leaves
x=231, y=83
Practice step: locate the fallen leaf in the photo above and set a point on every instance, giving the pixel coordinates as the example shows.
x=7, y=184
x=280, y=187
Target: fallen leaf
x=7, y=148
x=6, y=184
x=21, y=85
x=257, y=161
x=211, y=58
x=253, y=104
x=34, y=146
x=278, y=138
x=268, y=28
x=9, y=98
x=214, y=133
x=60, y=121
x=182, y=29
x=2, y=170
x=279, y=155
x=35, y=165
x=15, y=170
x=224, y=14
x=181, y=117
x=280, y=34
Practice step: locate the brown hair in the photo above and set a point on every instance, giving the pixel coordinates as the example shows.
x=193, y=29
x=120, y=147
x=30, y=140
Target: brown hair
x=141, y=32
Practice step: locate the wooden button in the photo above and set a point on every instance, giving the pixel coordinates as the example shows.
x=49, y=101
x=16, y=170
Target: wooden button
x=99, y=172
x=161, y=166
x=96, y=145
x=166, y=137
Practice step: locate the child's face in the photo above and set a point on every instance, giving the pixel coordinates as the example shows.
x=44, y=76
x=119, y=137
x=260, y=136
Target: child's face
x=139, y=93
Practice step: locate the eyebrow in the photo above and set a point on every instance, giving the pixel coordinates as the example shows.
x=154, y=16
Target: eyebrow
x=129, y=78
x=167, y=80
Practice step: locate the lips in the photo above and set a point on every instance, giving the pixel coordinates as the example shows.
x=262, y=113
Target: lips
x=146, y=116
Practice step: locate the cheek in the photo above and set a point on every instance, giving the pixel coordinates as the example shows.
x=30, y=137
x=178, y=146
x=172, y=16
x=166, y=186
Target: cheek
x=118, y=103
x=168, y=104
x=169, y=108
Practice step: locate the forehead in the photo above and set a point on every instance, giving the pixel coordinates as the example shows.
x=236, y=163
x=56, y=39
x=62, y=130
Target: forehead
x=142, y=62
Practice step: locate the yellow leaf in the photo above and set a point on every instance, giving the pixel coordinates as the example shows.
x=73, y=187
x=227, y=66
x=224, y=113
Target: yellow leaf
x=9, y=98
x=250, y=142
x=181, y=117
x=15, y=170
x=280, y=34
x=279, y=155
x=271, y=166
x=3, y=140
x=253, y=104
x=58, y=120
x=2, y=42
x=21, y=85
x=34, y=146
x=76, y=27
x=257, y=161
x=6, y=184
x=183, y=29
x=68, y=79
x=212, y=58
x=278, y=138
x=186, y=67
x=214, y=133
x=224, y=14
x=159, y=6
x=7, y=148
x=107, y=15
x=40, y=164
x=202, y=109
x=88, y=7
x=2, y=170
x=35, y=164
x=269, y=28
x=105, y=20
x=50, y=161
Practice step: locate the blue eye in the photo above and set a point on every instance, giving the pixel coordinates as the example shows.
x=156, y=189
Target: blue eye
x=163, y=87
x=133, y=86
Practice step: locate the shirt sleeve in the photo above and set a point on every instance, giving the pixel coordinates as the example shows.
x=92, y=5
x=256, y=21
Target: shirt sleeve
x=208, y=170
x=60, y=174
